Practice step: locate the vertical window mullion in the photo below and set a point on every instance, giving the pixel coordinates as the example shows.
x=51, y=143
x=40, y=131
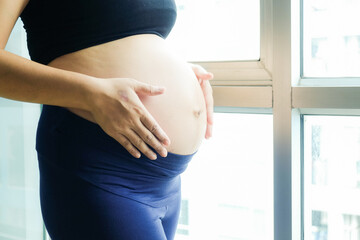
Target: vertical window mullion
x=282, y=76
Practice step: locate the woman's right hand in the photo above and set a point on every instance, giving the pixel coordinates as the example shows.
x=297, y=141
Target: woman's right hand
x=115, y=105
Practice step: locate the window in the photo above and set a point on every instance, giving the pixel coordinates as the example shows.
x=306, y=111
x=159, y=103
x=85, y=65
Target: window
x=328, y=143
x=227, y=188
x=331, y=177
x=351, y=227
x=319, y=225
x=183, y=227
x=217, y=30
x=20, y=216
x=331, y=38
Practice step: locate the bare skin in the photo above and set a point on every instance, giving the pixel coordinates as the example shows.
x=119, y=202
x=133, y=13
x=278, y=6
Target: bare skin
x=203, y=77
x=105, y=98
x=180, y=110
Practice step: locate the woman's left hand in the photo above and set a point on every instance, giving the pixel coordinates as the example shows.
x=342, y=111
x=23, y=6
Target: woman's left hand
x=203, y=77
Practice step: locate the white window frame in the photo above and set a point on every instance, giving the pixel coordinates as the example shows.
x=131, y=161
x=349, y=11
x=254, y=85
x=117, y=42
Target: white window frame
x=275, y=84
x=240, y=84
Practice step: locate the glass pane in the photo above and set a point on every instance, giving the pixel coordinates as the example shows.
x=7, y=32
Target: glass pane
x=20, y=215
x=228, y=187
x=331, y=38
x=332, y=178
x=217, y=30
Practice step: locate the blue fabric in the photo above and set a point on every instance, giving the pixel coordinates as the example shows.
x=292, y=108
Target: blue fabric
x=55, y=28
x=92, y=188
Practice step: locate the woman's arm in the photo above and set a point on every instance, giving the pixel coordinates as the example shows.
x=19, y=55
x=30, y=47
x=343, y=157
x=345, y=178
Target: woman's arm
x=108, y=100
x=24, y=80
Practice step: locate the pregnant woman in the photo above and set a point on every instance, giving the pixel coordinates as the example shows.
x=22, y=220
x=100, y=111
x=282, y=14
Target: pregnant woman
x=122, y=115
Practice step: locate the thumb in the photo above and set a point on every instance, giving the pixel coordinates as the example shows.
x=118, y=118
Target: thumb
x=203, y=74
x=147, y=89
x=200, y=72
x=206, y=76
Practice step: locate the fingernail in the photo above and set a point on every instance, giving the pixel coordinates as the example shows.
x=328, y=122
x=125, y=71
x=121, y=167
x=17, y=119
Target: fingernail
x=160, y=88
x=166, y=142
x=164, y=153
x=153, y=156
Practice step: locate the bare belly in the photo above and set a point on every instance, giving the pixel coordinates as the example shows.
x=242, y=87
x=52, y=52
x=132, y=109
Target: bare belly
x=180, y=111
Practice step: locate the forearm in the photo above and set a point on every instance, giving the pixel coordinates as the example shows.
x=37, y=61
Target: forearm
x=24, y=80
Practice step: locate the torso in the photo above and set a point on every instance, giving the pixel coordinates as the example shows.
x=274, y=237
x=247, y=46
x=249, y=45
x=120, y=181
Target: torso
x=180, y=111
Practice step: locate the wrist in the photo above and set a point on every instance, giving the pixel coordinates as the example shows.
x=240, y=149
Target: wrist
x=91, y=92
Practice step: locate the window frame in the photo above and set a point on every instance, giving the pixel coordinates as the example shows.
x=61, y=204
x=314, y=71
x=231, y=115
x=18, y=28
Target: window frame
x=236, y=83
x=275, y=84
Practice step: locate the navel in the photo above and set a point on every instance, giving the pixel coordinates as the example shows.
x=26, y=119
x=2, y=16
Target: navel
x=197, y=113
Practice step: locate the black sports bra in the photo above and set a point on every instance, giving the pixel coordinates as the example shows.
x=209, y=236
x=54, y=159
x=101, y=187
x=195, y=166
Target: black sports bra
x=58, y=27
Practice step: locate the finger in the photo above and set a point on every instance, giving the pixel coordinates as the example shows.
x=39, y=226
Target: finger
x=149, y=122
x=210, y=122
x=127, y=145
x=201, y=73
x=140, y=144
x=150, y=139
x=147, y=89
x=205, y=76
x=210, y=111
x=209, y=100
x=208, y=133
x=201, y=81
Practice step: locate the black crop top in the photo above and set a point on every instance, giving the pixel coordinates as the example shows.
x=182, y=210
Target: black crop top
x=58, y=27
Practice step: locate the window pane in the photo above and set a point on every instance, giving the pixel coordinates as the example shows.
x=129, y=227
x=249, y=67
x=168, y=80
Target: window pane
x=20, y=215
x=217, y=30
x=332, y=178
x=228, y=187
x=331, y=38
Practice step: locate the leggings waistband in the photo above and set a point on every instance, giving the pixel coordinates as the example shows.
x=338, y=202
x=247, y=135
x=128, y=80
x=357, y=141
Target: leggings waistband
x=85, y=150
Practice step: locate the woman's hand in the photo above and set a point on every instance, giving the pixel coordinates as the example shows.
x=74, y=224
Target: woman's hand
x=115, y=105
x=203, y=77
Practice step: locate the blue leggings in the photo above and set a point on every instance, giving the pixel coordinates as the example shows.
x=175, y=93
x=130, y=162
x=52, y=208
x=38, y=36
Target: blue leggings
x=92, y=188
